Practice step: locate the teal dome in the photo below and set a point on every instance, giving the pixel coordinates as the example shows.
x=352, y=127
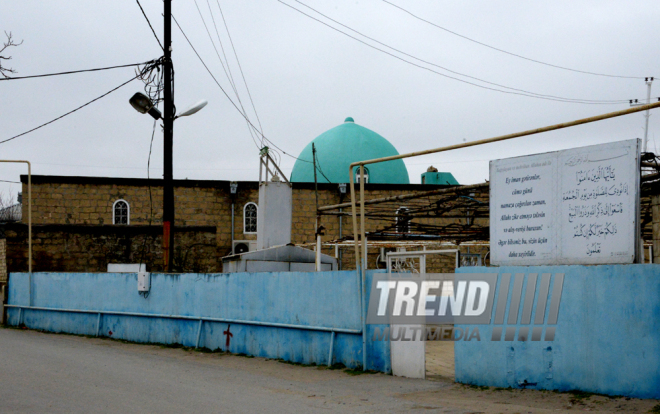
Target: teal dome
x=339, y=147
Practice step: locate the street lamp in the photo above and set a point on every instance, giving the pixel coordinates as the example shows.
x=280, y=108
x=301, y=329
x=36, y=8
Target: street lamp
x=193, y=109
x=144, y=105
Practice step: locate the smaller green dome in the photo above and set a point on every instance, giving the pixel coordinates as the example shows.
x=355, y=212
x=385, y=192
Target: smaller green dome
x=349, y=119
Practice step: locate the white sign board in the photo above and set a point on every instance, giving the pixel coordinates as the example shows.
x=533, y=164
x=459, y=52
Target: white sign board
x=578, y=206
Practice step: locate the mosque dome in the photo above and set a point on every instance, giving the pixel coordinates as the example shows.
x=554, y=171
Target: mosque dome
x=339, y=147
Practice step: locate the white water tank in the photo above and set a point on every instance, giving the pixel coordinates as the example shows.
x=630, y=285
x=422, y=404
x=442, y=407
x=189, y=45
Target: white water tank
x=274, y=214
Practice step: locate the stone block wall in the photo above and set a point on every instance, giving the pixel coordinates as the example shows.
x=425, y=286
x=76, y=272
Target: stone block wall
x=71, y=248
x=87, y=202
x=655, y=205
x=3, y=260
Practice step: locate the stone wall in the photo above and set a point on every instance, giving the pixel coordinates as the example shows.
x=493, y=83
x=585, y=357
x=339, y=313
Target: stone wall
x=3, y=258
x=89, y=248
x=655, y=205
x=87, y=202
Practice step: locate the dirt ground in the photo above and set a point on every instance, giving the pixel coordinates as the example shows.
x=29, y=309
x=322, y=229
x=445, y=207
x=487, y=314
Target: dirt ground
x=489, y=400
x=69, y=374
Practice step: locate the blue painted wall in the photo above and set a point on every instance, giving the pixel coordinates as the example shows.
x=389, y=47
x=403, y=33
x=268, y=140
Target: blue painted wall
x=327, y=299
x=607, y=336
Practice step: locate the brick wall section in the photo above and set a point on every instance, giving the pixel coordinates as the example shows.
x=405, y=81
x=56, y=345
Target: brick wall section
x=3, y=260
x=77, y=248
x=655, y=205
x=87, y=202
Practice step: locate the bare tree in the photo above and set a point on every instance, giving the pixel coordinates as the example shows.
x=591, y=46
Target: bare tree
x=9, y=210
x=9, y=43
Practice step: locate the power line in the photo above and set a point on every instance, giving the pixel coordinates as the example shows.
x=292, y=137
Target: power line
x=453, y=71
x=211, y=73
x=240, y=67
x=12, y=182
x=70, y=112
x=522, y=93
x=150, y=26
x=509, y=53
x=228, y=97
x=76, y=71
x=221, y=88
x=227, y=70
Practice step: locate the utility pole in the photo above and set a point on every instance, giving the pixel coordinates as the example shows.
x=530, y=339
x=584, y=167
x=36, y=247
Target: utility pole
x=320, y=230
x=168, y=123
x=647, y=114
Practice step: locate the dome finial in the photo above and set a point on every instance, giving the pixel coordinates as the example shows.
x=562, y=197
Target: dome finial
x=349, y=119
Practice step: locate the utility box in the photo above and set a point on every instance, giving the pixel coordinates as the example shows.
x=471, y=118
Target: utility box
x=274, y=214
x=126, y=267
x=144, y=281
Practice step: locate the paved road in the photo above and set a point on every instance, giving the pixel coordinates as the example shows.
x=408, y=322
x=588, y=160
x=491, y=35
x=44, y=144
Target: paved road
x=51, y=373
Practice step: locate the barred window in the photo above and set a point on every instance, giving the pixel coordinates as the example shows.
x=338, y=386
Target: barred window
x=358, y=177
x=121, y=212
x=250, y=218
x=402, y=220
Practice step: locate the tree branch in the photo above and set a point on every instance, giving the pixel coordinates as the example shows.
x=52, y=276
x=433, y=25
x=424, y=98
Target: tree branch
x=9, y=43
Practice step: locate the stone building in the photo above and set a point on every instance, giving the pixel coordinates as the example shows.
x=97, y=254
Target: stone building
x=84, y=223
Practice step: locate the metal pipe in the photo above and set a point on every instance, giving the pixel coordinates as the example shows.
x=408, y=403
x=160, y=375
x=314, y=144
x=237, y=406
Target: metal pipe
x=199, y=332
x=340, y=258
x=30, y=225
x=514, y=135
x=362, y=230
x=356, y=242
x=194, y=318
x=647, y=115
x=332, y=346
x=363, y=275
x=98, y=324
x=318, y=251
x=480, y=142
x=232, y=227
x=408, y=196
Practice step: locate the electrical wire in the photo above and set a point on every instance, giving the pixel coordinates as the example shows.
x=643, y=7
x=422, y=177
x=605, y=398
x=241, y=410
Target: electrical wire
x=229, y=98
x=509, y=53
x=76, y=71
x=13, y=182
x=213, y=76
x=318, y=165
x=70, y=112
x=227, y=73
x=567, y=100
x=453, y=71
x=227, y=70
x=240, y=67
x=150, y=26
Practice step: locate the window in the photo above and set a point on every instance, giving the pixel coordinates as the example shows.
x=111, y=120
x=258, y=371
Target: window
x=402, y=220
x=357, y=175
x=250, y=218
x=121, y=212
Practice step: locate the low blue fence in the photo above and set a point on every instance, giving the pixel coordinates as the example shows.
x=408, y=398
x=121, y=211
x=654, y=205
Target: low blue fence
x=607, y=335
x=304, y=317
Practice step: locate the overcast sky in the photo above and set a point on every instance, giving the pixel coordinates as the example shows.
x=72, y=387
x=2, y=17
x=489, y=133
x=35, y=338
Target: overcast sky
x=305, y=78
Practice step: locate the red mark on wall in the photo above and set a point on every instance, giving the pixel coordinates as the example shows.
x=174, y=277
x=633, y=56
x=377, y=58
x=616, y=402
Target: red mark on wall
x=229, y=335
